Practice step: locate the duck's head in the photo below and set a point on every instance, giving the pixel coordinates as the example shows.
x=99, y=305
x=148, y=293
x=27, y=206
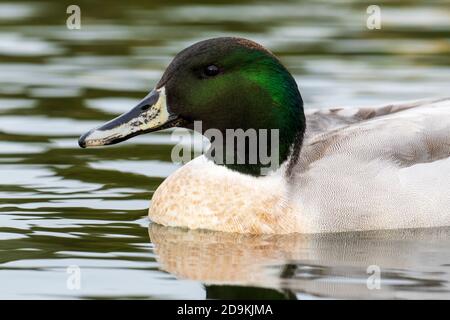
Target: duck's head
x=226, y=83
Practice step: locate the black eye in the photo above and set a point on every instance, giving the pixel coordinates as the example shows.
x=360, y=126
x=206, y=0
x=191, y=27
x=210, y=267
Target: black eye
x=211, y=70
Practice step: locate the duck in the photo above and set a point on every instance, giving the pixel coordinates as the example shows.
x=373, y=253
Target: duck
x=336, y=170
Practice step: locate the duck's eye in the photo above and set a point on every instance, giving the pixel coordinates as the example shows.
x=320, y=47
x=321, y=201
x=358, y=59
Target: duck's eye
x=211, y=70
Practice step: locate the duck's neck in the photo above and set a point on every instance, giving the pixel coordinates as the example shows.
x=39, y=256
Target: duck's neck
x=263, y=148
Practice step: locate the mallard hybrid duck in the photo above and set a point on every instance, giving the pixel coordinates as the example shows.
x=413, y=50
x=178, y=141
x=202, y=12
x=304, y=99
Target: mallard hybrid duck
x=347, y=169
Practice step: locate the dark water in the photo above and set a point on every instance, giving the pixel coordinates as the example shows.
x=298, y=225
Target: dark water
x=62, y=206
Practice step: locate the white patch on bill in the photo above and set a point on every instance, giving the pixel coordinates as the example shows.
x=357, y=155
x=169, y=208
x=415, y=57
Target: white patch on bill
x=154, y=117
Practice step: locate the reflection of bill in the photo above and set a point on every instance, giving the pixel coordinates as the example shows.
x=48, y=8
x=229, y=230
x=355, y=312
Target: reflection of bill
x=321, y=265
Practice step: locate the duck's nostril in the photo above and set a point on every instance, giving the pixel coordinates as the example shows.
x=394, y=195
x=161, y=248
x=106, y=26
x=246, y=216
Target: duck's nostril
x=145, y=107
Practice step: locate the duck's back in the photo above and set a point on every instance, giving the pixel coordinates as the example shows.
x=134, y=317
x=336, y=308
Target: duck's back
x=386, y=167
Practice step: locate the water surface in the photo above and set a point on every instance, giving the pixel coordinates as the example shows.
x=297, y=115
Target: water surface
x=62, y=206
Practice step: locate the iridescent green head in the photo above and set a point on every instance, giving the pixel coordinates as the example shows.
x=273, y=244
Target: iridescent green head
x=226, y=83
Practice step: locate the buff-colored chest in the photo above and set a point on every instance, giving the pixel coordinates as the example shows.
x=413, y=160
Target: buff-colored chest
x=204, y=196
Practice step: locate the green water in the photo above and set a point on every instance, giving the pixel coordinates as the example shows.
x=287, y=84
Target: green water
x=62, y=206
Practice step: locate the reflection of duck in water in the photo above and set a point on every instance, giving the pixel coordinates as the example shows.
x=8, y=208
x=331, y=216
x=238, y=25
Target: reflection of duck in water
x=322, y=265
x=356, y=169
